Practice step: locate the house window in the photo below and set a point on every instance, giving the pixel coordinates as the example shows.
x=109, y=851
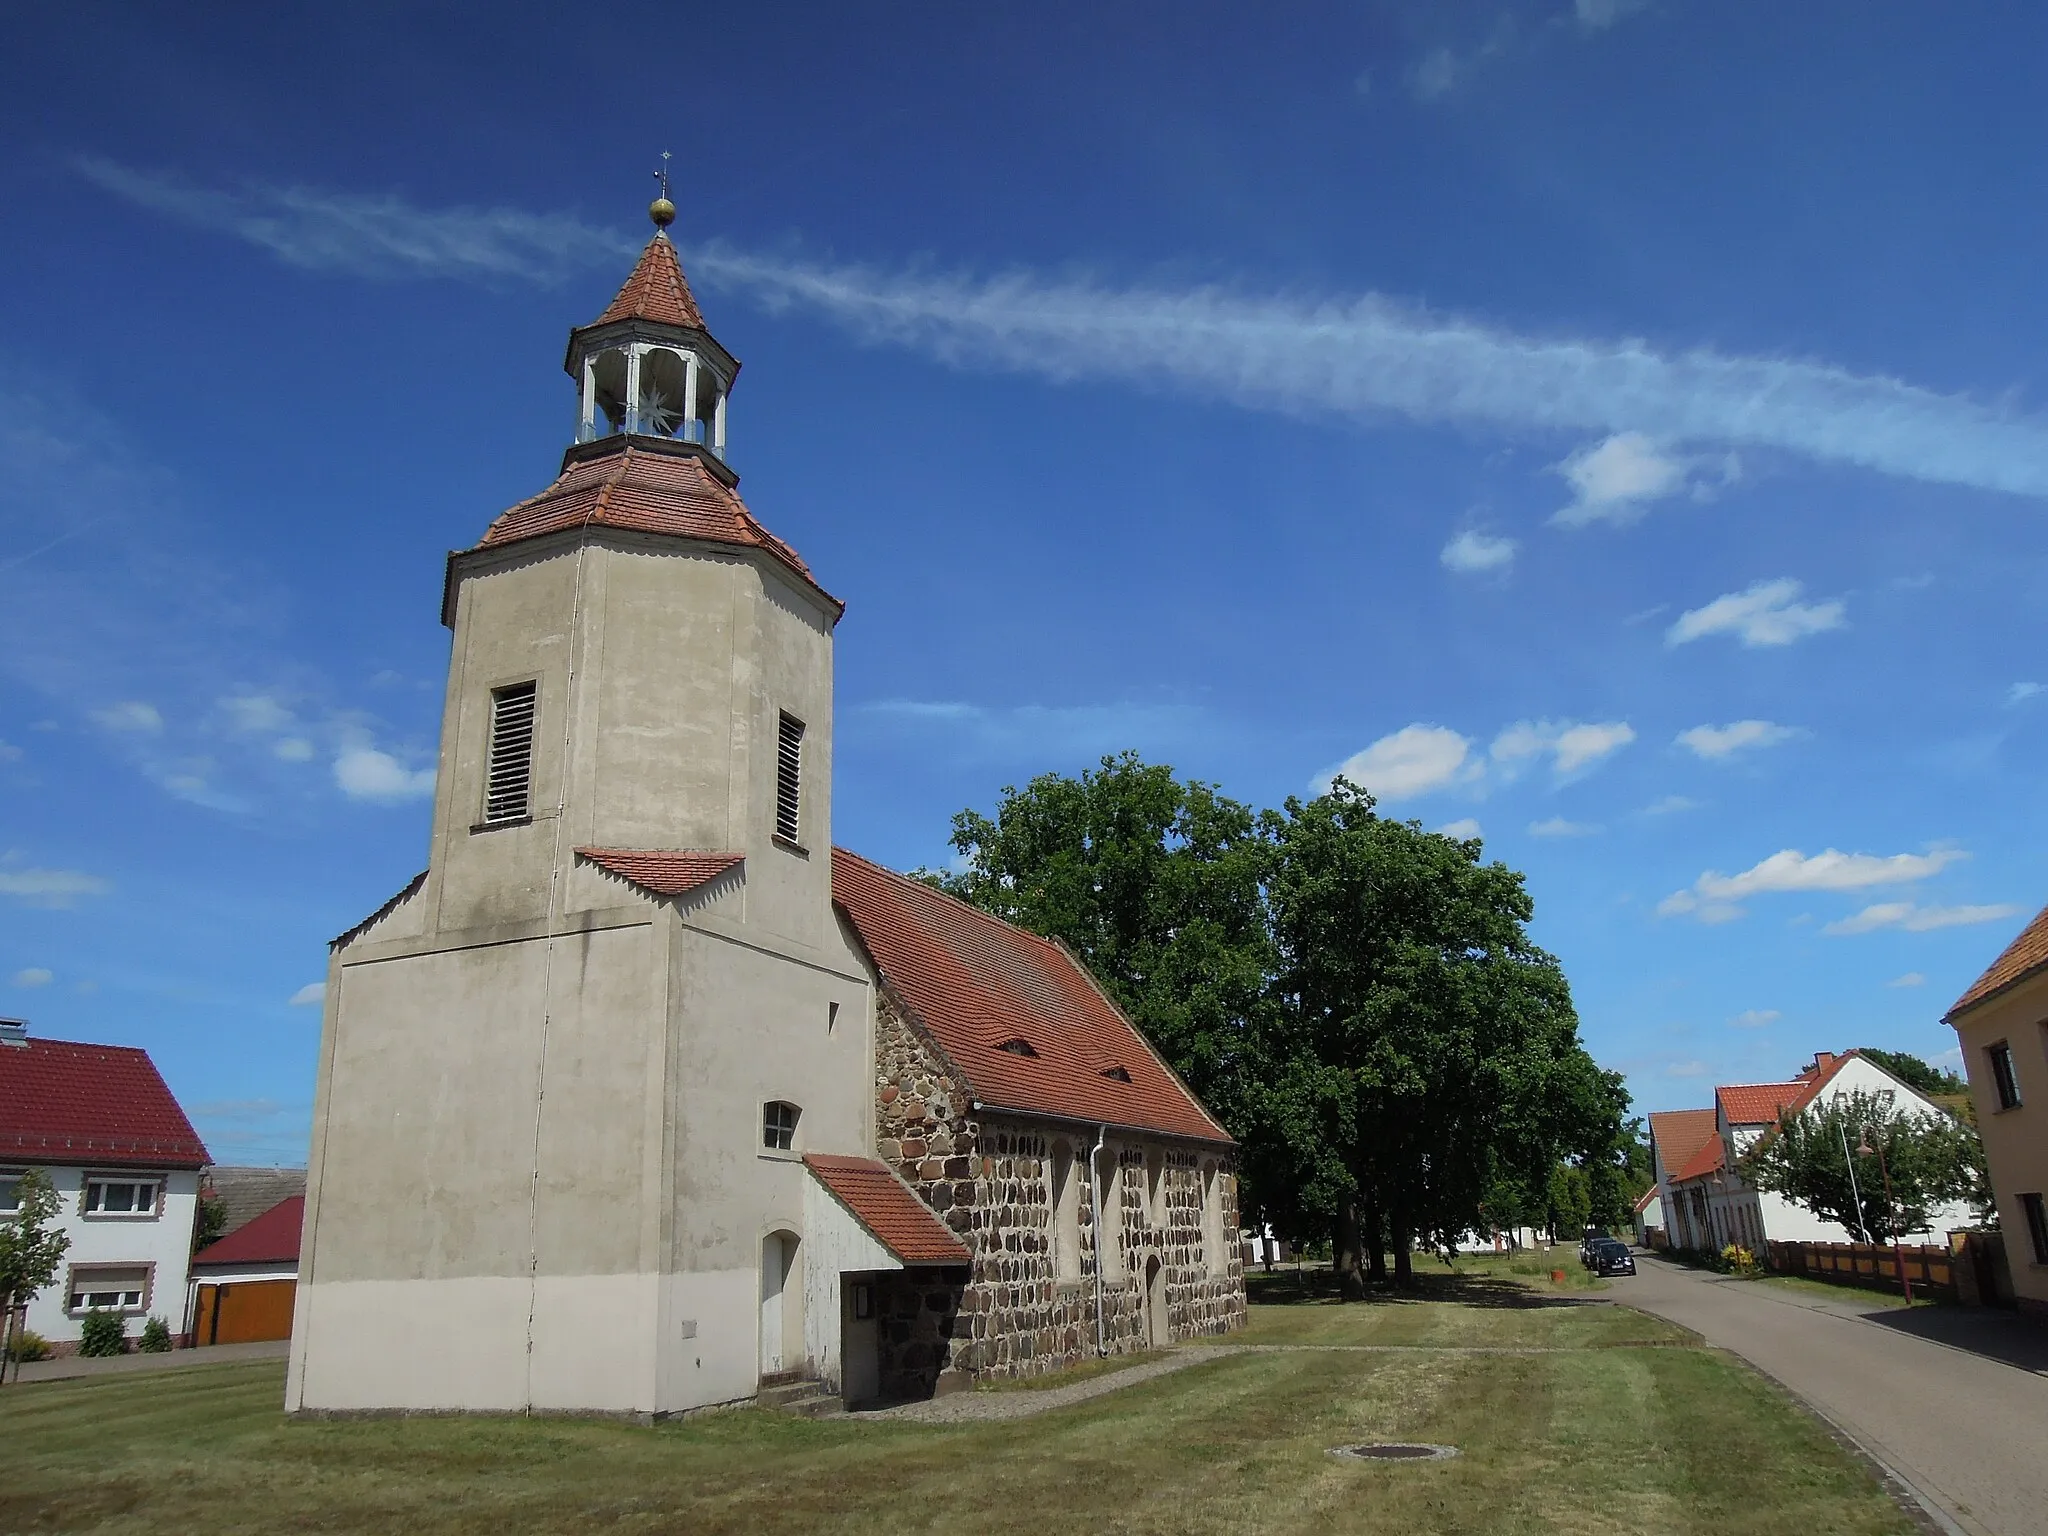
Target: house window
x=10, y=1190
x=2005, y=1083
x=107, y=1287
x=778, y=1125
x=1066, y=1214
x=508, y=780
x=789, y=778
x=2037, y=1225
x=121, y=1197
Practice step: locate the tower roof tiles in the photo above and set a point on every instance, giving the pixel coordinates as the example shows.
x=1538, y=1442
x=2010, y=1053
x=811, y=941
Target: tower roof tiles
x=656, y=291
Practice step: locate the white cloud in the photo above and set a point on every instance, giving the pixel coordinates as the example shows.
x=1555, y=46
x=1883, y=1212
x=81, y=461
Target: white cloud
x=311, y=995
x=1557, y=826
x=1914, y=918
x=1412, y=761
x=1598, y=15
x=257, y=714
x=49, y=887
x=1767, y=613
x=1570, y=745
x=1463, y=829
x=1686, y=1069
x=132, y=715
x=293, y=749
x=1473, y=553
x=2019, y=693
x=1616, y=479
x=1755, y=1018
x=1671, y=805
x=1718, y=742
x=1713, y=897
x=1910, y=979
x=364, y=773
x=9, y=753
x=1358, y=355
x=33, y=976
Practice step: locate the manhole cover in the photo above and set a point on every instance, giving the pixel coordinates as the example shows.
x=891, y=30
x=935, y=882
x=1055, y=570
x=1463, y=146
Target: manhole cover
x=1394, y=1452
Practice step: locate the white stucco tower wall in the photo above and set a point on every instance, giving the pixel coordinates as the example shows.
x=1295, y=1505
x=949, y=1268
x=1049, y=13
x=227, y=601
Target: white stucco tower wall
x=537, y=1179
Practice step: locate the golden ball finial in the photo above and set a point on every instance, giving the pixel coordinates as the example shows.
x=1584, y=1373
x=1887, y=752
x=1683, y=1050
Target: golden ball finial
x=662, y=211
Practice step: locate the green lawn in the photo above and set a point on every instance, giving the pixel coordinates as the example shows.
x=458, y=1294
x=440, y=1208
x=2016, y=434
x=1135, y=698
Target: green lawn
x=1627, y=1426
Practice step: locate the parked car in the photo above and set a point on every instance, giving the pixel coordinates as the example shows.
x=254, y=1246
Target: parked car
x=1611, y=1256
x=1592, y=1236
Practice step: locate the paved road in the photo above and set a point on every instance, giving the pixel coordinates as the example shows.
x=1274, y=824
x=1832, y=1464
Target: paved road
x=1954, y=1401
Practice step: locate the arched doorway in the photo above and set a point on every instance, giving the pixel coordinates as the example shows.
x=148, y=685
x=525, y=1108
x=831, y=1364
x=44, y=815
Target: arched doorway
x=1158, y=1332
x=781, y=1335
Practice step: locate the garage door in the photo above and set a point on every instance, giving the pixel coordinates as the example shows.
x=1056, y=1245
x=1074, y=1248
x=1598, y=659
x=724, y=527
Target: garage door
x=246, y=1313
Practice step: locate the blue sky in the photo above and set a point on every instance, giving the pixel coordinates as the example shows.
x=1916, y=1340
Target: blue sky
x=1618, y=427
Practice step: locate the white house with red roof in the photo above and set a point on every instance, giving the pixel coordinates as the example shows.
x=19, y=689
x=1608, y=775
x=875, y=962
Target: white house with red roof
x=642, y=1096
x=99, y=1123
x=1709, y=1204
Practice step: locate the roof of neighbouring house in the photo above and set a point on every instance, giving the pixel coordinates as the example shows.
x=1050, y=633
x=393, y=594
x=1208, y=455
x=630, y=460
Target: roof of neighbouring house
x=272, y=1238
x=1644, y=1200
x=63, y=1101
x=2020, y=959
x=632, y=485
x=1759, y=1103
x=246, y=1193
x=978, y=985
x=1707, y=1159
x=888, y=1208
x=657, y=290
x=665, y=872
x=1680, y=1133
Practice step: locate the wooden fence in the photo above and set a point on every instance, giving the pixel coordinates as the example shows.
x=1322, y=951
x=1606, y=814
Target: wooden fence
x=1874, y=1267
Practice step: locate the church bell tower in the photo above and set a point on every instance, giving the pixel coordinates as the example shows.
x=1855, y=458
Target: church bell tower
x=538, y=1177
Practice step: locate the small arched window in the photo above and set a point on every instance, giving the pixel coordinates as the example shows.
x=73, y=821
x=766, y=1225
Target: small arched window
x=778, y=1125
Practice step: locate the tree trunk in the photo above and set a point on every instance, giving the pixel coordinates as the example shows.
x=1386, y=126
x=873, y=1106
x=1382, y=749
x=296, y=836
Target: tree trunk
x=1375, y=1239
x=1404, y=1267
x=1345, y=1253
x=7, y=1341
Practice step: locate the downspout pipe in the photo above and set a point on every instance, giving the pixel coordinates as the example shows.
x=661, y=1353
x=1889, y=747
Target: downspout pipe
x=1095, y=1195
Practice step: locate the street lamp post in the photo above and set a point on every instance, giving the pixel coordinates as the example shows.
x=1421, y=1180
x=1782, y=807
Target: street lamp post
x=1891, y=1212
x=1855, y=1194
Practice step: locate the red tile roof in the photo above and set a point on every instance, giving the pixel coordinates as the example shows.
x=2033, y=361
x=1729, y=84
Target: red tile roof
x=645, y=490
x=1643, y=1200
x=62, y=1101
x=2022, y=958
x=665, y=872
x=1711, y=1156
x=1757, y=1103
x=272, y=1238
x=889, y=1208
x=657, y=290
x=1680, y=1133
x=975, y=982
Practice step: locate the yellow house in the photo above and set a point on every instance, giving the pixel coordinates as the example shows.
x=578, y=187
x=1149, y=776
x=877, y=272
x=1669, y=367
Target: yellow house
x=2002, y=1022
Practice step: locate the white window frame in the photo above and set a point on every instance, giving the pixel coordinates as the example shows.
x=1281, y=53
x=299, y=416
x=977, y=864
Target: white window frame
x=772, y=1127
x=93, y=1183
x=10, y=1181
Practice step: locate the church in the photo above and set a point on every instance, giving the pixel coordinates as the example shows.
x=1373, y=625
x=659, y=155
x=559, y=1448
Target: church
x=643, y=1097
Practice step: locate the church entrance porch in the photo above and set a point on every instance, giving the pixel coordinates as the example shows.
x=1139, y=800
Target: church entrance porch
x=917, y=1316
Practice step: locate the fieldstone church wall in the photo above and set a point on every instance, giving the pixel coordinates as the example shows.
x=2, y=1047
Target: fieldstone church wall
x=990, y=1179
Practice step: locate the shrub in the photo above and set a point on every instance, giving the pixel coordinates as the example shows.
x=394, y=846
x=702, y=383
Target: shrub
x=28, y=1345
x=103, y=1333
x=1738, y=1260
x=156, y=1337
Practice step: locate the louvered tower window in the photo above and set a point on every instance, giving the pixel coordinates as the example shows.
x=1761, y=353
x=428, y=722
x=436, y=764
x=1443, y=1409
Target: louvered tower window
x=508, y=789
x=789, y=778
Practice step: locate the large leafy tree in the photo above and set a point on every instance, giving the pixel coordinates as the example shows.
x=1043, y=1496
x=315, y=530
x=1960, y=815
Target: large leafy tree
x=1158, y=885
x=1920, y=1076
x=1932, y=1161
x=30, y=1252
x=1429, y=1048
